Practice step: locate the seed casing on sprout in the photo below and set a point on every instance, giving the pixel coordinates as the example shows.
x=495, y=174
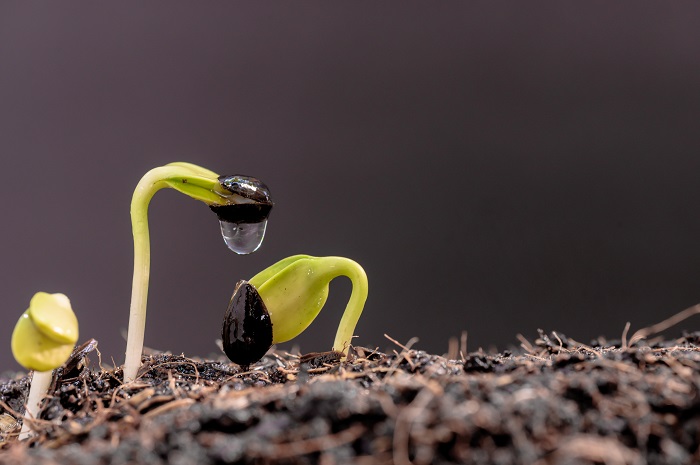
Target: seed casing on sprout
x=244, y=221
x=247, y=328
x=281, y=301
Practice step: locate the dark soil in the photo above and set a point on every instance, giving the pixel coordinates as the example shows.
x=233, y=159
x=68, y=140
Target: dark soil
x=553, y=401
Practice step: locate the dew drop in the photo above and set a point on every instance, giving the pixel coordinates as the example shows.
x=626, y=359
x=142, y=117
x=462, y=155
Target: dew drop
x=243, y=238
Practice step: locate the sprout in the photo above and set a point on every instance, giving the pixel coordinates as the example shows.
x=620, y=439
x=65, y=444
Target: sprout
x=42, y=340
x=241, y=203
x=280, y=302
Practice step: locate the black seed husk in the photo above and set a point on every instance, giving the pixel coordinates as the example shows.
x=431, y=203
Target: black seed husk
x=242, y=212
x=247, y=328
x=247, y=187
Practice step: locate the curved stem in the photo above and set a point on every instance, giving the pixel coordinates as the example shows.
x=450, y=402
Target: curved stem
x=146, y=188
x=189, y=179
x=353, y=310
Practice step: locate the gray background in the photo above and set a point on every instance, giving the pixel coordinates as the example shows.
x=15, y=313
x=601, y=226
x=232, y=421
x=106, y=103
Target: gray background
x=495, y=168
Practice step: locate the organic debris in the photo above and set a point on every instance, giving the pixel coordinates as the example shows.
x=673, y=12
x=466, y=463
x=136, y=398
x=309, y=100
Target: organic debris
x=553, y=401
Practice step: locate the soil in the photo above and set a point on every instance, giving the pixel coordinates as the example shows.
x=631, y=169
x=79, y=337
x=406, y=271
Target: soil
x=551, y=401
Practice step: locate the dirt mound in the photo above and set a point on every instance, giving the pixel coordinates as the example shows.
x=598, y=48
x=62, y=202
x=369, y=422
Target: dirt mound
x=554, y=401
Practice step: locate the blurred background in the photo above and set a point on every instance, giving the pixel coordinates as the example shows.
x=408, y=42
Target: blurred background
x=496, y=168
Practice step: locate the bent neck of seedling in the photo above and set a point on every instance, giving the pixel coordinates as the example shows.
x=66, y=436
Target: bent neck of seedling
x=146, y=188
x=192, y=180
x=340, y=266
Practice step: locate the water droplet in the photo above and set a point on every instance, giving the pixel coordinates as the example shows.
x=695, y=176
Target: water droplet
x=243, y=238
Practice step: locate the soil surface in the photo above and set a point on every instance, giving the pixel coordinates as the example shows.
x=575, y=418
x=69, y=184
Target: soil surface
x=552, y=401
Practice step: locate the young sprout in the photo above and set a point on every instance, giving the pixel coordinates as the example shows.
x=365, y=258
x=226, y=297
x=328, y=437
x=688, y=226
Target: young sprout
x=42, y=341
x=241, y=203
x=280, y=302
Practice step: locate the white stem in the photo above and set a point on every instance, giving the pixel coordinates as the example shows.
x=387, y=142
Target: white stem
x=41, y=380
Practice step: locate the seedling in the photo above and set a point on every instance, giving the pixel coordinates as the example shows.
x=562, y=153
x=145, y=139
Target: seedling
x=241, y=203
x=280, y=302
x=42, y=341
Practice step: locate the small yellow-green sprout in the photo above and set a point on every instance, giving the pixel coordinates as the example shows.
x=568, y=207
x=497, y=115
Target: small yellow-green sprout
x=280, y=302
x=241, y=203
x=42, y=341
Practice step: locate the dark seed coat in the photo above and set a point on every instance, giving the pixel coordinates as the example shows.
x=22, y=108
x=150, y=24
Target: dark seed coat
x=247, y=329
x=247, y=187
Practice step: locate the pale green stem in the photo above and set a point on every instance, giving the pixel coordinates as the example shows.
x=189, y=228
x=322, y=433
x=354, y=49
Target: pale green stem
x=147, y=187
x=345, y=267
x=180, y=176
x=41, y=380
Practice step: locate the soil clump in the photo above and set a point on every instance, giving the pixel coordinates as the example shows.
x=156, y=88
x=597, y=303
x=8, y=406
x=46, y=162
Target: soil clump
x=552, y=401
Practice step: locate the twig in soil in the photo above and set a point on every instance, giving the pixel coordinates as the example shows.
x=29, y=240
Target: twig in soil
x=457, y=348
x=561, y=344
x=309, y=446
x=99, y=359
x=406, y=347
x=624, y=336
x=581, y=345
x=279, y=358
x=596, y=449
x=362, y=353
x=10, y=410
x=406, y=355
x=525, y=344
x=537, y=357
x=452, y=349
x=665, y=324
x=403, y=355
x=172, y=405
